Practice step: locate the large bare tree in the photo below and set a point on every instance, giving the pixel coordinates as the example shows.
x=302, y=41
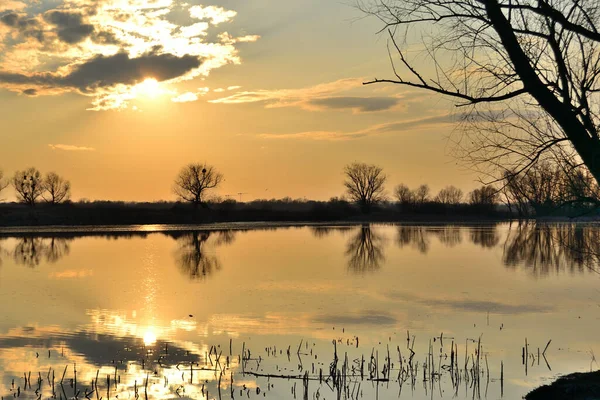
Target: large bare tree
x=194, y=180
x=28, y=185
x=527, y=71
x=56, y=188
x=365, y=184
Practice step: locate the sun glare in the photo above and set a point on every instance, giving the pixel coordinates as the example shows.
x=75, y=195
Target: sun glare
x=150, y=87
x=149, y=337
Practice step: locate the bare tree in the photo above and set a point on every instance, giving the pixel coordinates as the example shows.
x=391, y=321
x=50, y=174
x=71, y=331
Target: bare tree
x=404, y=195
x=529, y=71
x=28, y=185
x=3, y=182
x=546, y=187
x=194, y=180
x=449, y=195
x=365, y=184
x=483, y=196
x=56, y=188
x=421, y=194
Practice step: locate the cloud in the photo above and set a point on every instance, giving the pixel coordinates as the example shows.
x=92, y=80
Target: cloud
x=12, y=5
x=104, y=48
x=70, y=26
x=68, y=147
x=289, y=97
x=120, y=68
x=320, y=97
x=400, y=126
x=185, y=97
x=190, y=96
x=216, y=15
x=109, y=71
x=357, y=104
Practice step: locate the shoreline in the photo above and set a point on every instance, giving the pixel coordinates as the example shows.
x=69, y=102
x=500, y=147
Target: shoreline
x=230, y=225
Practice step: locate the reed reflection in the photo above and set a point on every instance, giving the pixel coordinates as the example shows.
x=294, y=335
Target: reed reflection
x=365, y=250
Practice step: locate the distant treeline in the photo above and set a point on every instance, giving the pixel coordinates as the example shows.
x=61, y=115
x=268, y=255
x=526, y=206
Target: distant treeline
x=542, y=190
x=121, y=213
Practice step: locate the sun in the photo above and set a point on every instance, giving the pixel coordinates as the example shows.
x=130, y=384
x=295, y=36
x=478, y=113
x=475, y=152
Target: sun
x=149, y=337
x=150, y=87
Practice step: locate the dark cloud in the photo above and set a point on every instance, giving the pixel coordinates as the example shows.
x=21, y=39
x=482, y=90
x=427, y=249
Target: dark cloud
x=28, y=27
x=108, y=71
x=71, y=27
x=105, y=38
x=362, y=104
x=30, y=92
x=363, y=318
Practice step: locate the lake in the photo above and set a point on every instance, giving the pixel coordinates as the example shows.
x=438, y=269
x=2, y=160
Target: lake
x=310, y=312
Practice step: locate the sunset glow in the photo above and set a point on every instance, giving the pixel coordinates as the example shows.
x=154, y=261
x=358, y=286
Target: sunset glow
x=126, y=88
x=148, y=88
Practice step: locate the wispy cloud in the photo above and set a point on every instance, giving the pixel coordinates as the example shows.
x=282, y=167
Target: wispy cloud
x=375, y=130
x=321, y=97
x=68, y=147
x=104, y=48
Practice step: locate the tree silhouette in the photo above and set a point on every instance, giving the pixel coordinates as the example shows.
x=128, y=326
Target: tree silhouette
x=529, y=71
x=56, y=188
x=484, y=198
x=450, y=195
x=28, y=185
x=194, y=180
x=365, y=184
x=3, y=182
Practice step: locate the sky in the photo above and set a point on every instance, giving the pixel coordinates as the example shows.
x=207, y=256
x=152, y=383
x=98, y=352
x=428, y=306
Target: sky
x=118, y=95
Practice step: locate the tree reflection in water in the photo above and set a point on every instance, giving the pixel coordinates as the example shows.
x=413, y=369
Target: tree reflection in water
x=414, y=236
x=545, y=248
x=448, y=235
x=30, y=251
x=539, y=248
x=486, y=237
x=196, y=256
x=365, y=250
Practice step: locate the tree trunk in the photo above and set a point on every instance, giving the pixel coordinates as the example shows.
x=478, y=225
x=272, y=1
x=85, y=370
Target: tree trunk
x=586, y=146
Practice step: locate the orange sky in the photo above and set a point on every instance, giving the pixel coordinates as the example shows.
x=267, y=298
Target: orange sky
x=118, y=95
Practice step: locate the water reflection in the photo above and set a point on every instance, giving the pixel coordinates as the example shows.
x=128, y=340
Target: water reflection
x=414, y=236
x=30, y=251
x=365, y=250
x=196, y=255
x=539, y=248
x=543, y=249
x=484, y=237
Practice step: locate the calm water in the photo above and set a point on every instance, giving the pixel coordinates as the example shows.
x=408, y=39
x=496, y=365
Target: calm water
x=415, y=312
